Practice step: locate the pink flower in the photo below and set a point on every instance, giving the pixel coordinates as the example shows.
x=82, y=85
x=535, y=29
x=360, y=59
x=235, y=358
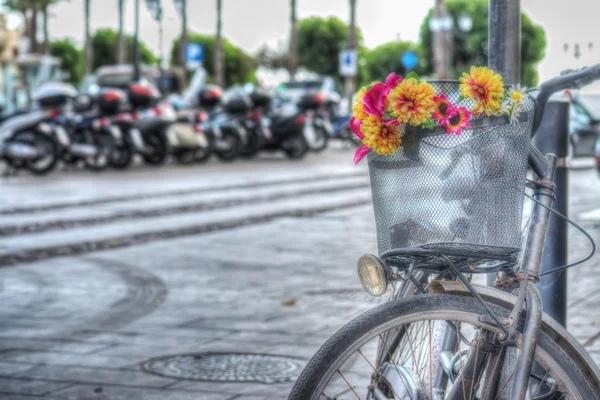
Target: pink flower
x=355, y=127
x=376, y=100
x=360, y=153
x=392, y=81
x=442, y=107
x=458, y=118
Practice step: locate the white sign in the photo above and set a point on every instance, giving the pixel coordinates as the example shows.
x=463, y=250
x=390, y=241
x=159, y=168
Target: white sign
x=348, y=63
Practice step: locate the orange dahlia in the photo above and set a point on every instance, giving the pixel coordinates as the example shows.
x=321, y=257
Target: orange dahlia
x=485, y=87
x=411, y=102
x=358, y=110
x=381, y=138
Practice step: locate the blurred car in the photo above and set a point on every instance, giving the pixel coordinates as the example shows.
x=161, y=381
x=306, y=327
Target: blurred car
x=293, y=91
x=584, y=125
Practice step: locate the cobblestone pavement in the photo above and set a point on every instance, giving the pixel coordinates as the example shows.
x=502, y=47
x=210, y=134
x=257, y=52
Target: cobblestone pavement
x=102, y=272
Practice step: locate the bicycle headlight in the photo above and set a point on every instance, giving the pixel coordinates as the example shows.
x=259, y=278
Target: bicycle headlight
x=373, y=275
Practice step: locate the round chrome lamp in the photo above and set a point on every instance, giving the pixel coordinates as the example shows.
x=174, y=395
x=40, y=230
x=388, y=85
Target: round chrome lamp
x=373, y=275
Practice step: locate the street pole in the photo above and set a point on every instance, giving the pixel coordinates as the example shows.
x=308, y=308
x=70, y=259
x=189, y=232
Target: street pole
x=504, y=47
x=136, y=44
x=352, y=44
x=553, y=137
x=504, y=39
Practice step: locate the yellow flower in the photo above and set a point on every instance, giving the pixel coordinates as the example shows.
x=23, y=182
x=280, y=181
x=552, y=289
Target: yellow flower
x=485, y=87
x=381, y=138
x=411, y=102
x=358, y=111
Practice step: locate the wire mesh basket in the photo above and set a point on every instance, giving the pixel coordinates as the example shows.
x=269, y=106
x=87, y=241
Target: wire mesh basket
x=458, y=195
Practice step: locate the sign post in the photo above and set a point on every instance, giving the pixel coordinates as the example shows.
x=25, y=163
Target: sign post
x=348, y=64
x=194, y=55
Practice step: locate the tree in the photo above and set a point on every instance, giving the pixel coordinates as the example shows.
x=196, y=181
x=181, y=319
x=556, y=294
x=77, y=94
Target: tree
x=104, y=43
x=30, y=10
x=239, y=67
x=70, y=58
x=387, y=58
x=219, y=78
x=121, y=36
x=293, y=53
x=471, y=48
x=320, y=42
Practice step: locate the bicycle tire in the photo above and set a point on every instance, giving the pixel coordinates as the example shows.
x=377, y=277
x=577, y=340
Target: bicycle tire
x=553, y=346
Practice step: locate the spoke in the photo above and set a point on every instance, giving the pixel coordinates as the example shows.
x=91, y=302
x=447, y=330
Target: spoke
x=505, y=383
x=327, y=397
x=493, y=371
x=412, y=350
x=350, y=386
x=379, y=374
x=474, y=370
x=540, y=385
x=462, y=377
x=398, y=371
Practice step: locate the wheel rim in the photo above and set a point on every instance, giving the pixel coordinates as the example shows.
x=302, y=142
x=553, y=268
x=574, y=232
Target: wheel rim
x=356, y=363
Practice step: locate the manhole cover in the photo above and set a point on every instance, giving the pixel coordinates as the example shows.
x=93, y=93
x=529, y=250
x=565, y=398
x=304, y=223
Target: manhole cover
x=230, y=367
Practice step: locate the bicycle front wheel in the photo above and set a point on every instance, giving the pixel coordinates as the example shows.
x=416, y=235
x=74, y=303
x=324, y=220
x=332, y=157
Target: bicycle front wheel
x=422, y=358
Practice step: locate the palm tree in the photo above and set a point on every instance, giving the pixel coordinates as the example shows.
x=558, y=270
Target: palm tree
x=88, y=45
x=293, y=60
x=43, y=7
x=121, y=37
x=184, y=32
x=352, y=43
x=219, y=76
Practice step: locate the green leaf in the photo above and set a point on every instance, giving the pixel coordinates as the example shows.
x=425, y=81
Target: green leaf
x=460, y=99
x=429, y=124
x=388, y=115
x=413, y=74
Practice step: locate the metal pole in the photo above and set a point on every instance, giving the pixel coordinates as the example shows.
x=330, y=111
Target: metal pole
x=504, y=47
x=504, y=39
x=136, y=44
x=553, y=137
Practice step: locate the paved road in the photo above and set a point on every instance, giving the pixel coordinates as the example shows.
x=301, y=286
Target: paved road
x=102, y=272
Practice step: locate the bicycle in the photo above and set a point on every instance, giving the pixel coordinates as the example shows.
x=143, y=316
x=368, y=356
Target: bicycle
x=458, y=212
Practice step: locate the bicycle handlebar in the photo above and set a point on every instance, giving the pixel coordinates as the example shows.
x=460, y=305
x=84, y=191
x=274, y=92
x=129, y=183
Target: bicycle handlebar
x=571, y=79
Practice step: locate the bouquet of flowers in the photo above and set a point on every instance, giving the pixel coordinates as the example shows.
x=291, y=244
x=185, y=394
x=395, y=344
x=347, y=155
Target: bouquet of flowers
x=381, y=110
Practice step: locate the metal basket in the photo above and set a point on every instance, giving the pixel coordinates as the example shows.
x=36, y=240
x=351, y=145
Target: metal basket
x=458, y=195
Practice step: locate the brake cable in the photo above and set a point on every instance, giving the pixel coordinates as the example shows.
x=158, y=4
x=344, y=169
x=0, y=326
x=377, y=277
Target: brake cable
x=576, y=226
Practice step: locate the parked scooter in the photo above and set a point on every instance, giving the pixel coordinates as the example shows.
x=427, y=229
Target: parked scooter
x=318, y=111
x=26, y=141
x=291, y=129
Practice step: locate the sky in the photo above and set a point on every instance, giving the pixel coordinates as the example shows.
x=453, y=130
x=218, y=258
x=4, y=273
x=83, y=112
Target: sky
x=251, y=23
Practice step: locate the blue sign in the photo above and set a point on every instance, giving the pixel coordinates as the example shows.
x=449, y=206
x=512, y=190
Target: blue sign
x=194, y=53
x=409, y=60
x=348, y=62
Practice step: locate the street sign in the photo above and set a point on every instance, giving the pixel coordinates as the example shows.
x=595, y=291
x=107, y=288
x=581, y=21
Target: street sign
x=194, y=54
x=409, y=60
x=348, y=62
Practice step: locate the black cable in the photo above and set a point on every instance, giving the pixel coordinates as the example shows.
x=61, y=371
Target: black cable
x=579, y=228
